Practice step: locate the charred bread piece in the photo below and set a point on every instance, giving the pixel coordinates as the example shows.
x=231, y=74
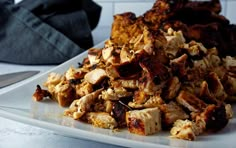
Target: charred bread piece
x=144, y=122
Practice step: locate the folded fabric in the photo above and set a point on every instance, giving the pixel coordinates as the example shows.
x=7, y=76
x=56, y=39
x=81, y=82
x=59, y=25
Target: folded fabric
x=46, y=31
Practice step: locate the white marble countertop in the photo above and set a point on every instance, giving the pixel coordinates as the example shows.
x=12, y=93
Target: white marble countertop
x=18, y=135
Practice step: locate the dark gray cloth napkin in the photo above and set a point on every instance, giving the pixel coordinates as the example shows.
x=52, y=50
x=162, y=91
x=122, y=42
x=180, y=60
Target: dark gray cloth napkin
x=46, y=31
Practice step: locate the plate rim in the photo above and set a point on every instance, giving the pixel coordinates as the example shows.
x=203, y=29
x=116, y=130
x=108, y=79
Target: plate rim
x=87, y=135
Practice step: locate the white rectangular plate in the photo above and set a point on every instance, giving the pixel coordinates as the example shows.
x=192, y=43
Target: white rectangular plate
x=17, y=104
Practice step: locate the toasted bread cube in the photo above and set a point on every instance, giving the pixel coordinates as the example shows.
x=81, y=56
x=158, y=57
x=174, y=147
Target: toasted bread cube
x=229, y=111
x=170, y=113
x=144, y=122
x=101, y=119
x=95, y=76
x=184, y=129
x=64, y=94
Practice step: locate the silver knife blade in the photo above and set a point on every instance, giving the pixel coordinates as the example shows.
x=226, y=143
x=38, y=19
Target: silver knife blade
x=11, y=78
